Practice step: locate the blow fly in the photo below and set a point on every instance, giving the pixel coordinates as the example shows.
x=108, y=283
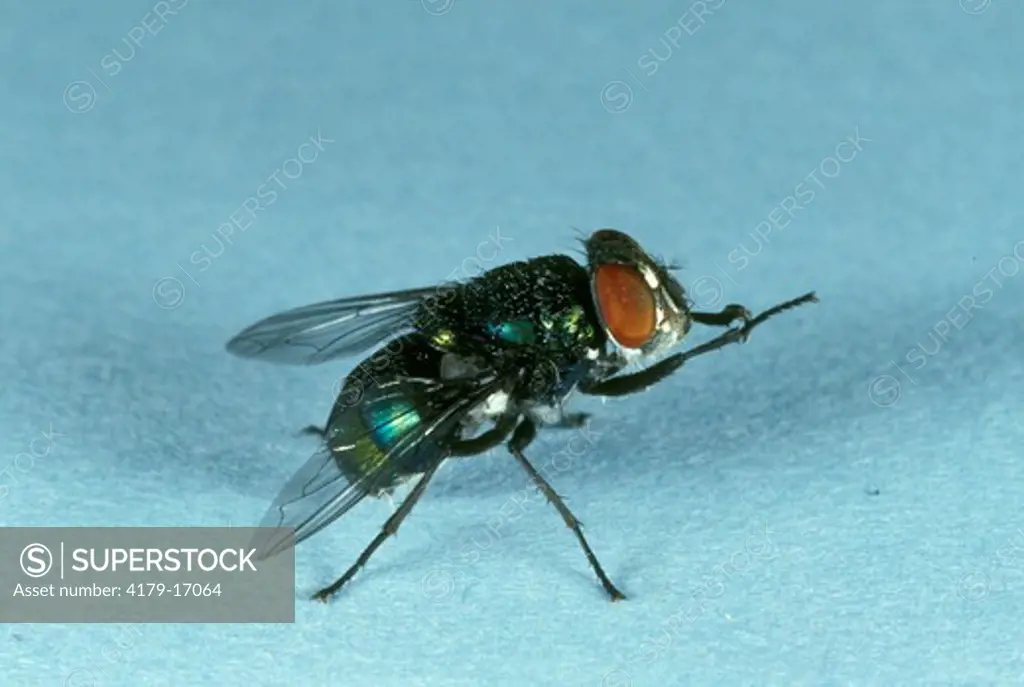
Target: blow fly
x=469, y=366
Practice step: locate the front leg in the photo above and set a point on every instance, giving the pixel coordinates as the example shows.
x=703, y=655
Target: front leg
x=726, y=317
x=635, y=382
x=638, y=381
x=740, y=334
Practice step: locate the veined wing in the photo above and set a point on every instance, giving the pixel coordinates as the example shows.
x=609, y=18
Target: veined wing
x=320, y=492
x=317, y=333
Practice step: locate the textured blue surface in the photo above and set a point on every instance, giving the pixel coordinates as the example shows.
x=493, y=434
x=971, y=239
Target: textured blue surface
x=837, y=502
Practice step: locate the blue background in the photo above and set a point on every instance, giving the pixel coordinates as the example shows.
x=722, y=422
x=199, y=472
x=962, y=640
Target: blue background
x=822, y=506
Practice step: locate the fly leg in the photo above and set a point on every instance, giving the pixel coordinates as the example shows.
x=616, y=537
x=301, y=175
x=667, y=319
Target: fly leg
x=740, y=334
x=314, y=431
x=638, y=381
x=466, y=448
x=724, y=318
x=571, y=421
x=390, y=527
x=460, y=449
x=523, y=436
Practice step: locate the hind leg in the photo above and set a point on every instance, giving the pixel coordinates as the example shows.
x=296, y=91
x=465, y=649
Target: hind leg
x=314, y=430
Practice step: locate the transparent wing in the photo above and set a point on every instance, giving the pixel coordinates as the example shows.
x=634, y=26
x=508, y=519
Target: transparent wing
x=320, y=493
x=314, y=334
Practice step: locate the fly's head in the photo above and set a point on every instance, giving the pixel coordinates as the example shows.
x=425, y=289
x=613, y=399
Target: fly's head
x=642, y=308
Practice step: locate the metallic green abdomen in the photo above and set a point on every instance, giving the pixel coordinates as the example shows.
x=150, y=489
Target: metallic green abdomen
x=389, y=420
x=362, y=442
x=374, y=431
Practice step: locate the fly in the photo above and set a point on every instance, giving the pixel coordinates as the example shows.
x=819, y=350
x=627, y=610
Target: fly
x=471, y=366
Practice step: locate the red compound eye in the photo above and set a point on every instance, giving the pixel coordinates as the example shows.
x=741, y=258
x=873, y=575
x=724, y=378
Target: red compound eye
x=626, y=304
